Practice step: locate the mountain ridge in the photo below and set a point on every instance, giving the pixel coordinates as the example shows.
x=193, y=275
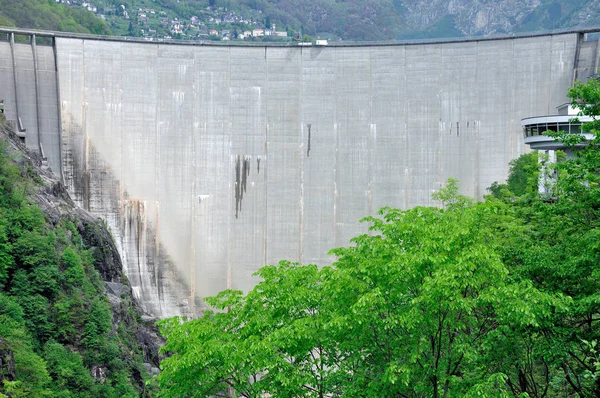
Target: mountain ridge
x=353, y=20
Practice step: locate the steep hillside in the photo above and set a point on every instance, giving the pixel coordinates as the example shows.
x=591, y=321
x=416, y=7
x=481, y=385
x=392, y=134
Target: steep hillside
x=333, y=19
x=48, y=15
x=562, y=14
x=350, y=19
x=483, y=17
x=68, y=324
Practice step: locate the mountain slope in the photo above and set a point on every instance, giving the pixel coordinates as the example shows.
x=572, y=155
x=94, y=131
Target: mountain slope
x=481, y=17
x=48, y=15
x=350, y=19
x=69, y=326
x=334, y=19
x=395, y=19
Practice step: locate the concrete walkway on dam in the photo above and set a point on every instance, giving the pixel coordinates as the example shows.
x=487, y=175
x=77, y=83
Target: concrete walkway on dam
x=209, y=161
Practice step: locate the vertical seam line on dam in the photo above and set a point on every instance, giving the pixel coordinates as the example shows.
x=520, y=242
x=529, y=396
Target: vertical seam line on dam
x=229, y=157
x=193, y=197
x=266, y=174
x=15, y=78
x=159, y=265
x=37, y=93
x=302, y=162
x=58, y=112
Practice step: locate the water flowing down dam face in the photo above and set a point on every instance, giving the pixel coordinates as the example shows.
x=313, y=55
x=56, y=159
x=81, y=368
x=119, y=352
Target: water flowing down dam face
x=208, y=162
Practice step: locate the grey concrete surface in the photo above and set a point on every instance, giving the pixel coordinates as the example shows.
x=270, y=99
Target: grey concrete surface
x=32, y=96
x=48, y=107
x=26, y=93
x=7, y=86
x=208, y=162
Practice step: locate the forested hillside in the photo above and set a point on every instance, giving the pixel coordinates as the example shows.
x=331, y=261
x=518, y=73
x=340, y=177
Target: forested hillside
x=349, y=20
x=48, y=15
x=397, y=19
x=480, y=17
x=63, y=332
x=499, y=298
x=393, y=19
x=332, y=19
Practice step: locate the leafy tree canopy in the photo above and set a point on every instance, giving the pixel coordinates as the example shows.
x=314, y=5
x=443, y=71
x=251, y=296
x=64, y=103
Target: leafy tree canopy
x=48, y=15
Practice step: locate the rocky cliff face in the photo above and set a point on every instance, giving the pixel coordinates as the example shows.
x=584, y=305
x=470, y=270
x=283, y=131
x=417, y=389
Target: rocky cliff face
x=471, y=16
x=131, y=328
x=489, y=17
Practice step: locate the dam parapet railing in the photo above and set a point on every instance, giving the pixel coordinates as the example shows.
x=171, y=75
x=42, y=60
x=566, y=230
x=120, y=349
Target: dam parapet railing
x=51, y=34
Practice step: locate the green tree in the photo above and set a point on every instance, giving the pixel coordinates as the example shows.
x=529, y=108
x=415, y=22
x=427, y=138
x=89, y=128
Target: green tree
x=553, y=245
x=268, y=342
x=410, y=309
x=69, y=376
x=568, y=229
x=48, y=15
x=74, y=274
x=523, y=178
x=32, y=376
x=98, y=323
x=424, y=296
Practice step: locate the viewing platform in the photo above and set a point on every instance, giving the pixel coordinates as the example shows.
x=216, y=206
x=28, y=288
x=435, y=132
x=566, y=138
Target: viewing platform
x=567, y=120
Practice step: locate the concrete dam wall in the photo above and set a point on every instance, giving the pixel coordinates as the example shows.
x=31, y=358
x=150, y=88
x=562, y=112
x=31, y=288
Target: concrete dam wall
x=209, y=161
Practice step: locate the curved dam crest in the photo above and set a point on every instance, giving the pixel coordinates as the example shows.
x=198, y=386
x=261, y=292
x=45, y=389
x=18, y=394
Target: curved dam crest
x=208, y=162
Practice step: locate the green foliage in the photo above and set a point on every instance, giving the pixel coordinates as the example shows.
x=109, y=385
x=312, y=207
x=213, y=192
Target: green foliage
x=428, y=292
x=54, y=316
x=524, y=174
x=263, y=343
x=30, y=368
x=69, y=376
x=6, y=260
x=47, y=15
x=412, y=307
x=98, y=323
x=36, y=309
x=74, y=274
x=5, y=21
x=450, y=197
x=523, y=178
x=69, y=315
x=10, y=308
